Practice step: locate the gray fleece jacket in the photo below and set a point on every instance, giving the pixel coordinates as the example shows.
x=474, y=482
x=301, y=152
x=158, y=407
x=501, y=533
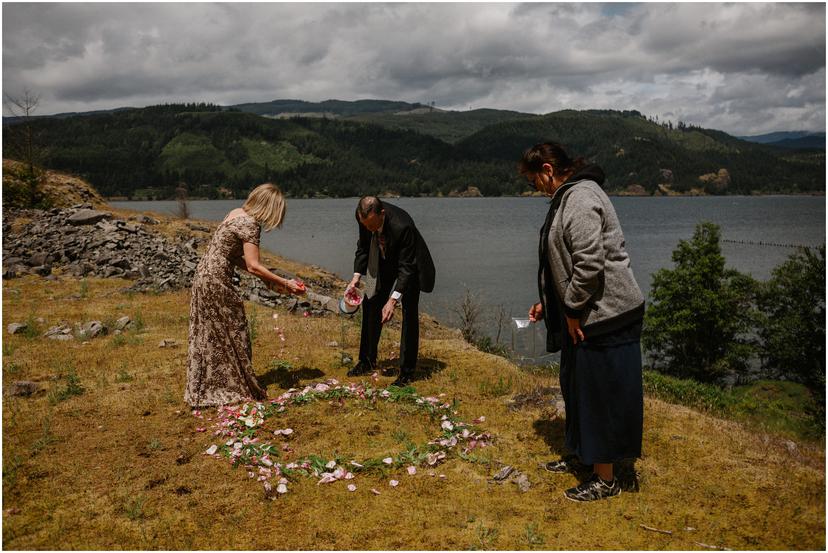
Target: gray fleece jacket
x=588, y=262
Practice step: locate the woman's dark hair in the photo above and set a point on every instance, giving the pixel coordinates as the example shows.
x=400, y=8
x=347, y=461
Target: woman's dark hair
x=552, y=153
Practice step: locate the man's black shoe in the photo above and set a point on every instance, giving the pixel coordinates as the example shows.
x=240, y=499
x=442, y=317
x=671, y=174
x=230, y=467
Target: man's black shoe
x=360, y=368
x=402, y=381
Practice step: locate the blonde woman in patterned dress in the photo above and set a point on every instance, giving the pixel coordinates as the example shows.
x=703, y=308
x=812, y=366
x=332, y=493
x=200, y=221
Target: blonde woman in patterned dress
x=220, y=357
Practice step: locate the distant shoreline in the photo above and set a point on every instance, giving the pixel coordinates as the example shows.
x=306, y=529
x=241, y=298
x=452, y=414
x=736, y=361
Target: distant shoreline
x=613, y=194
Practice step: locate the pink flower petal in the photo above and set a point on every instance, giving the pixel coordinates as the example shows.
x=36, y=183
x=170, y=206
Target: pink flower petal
x=351, y=488
x=374, y=491
x=212, y=449
x=412, y=470
x=281, y=488
x=393, y=483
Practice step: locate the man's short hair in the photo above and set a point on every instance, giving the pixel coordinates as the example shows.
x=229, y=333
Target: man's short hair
x=368, y=205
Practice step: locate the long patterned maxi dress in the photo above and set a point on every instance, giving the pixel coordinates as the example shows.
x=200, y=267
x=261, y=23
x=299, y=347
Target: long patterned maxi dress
x=220, y=356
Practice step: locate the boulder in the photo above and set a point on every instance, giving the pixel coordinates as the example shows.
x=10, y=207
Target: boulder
x=23, y=388
x=122, y=323
x=16, y=328
x=87, y=217
x=91, y=329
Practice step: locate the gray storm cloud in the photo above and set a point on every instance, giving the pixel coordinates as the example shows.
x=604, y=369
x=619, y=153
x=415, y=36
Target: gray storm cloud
x=743, y=68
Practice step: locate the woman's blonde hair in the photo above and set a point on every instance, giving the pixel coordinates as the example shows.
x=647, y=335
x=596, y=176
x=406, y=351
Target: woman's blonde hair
x=266, y=204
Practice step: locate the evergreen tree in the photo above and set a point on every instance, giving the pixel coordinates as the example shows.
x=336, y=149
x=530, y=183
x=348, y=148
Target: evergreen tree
x=700, y=316
x=793, y=320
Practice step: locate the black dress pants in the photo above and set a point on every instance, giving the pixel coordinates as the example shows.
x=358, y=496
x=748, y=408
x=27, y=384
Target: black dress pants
x=372, y=325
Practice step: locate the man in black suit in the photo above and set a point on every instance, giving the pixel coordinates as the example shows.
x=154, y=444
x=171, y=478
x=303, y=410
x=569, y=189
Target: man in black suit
x=397, y=266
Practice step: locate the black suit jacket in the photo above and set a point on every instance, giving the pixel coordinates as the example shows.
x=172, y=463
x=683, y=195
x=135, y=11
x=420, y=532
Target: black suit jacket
x=406, y=252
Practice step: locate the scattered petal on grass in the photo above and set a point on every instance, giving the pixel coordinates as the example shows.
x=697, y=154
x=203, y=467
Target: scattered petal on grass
x=478, y=420
x=393, y=483
x=356, y=464
x=275, y=315
x=351, y=488
x=287, y=431
x=349, y=476
x=442, y=476
x=388, y=460
x=212, y=449
x=375, y=491
x=330, y=465
x=201, y=429
x=412, y=470
x=446, y=425
x=281, y=488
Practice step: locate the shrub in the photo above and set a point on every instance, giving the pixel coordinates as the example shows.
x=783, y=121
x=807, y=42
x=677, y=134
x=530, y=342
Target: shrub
x=701, y=314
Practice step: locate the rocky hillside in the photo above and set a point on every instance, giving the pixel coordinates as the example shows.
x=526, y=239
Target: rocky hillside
x=50, y=188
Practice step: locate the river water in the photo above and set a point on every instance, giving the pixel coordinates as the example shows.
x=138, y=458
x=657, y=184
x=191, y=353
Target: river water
x=489, y=245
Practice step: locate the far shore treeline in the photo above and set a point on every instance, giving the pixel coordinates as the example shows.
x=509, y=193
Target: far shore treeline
x=356, y=148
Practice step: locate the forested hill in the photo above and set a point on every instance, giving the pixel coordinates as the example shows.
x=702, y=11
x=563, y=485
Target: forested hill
x=408, y=149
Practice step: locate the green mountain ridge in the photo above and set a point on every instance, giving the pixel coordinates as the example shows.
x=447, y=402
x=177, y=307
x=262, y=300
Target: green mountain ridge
x=375, y=146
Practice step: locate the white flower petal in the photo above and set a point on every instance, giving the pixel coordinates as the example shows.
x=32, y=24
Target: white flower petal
x=412, y=470
x=393, y=483
x=351, y=488
x=212, y=449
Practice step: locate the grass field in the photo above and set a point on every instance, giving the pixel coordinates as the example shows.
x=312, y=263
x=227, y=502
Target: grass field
x=108, y=456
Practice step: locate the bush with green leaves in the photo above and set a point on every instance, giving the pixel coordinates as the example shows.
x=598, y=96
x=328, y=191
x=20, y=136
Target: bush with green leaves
x=792, y=323
x=701, y=315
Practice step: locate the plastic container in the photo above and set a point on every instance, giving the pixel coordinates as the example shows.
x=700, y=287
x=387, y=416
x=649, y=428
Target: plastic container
x=351, y=300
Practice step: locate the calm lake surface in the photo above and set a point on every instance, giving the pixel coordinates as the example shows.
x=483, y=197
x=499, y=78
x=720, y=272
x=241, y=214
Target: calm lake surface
x=489, y=245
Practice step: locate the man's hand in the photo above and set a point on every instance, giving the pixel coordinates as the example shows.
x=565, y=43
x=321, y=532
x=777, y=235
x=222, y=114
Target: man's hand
x=574, y=328
x=388, y=310
x=536, y=312
x=353, y=284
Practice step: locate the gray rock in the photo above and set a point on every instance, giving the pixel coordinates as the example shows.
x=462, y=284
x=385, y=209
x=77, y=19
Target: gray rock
x=59, y=332
x=147, y=220
x=23, y=388
x=43, y=270
x=15, y=328
x=122, y=323
x=91, y=329
x=503, y=473
x=87, y=217
x=41, y=258
x=167, y=343
x=522, y=482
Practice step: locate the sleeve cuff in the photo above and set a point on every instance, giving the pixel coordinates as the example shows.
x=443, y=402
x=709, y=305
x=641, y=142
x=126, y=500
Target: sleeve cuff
x=396, y=295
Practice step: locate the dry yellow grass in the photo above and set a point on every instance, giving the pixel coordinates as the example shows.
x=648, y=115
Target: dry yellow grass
x=120, y=466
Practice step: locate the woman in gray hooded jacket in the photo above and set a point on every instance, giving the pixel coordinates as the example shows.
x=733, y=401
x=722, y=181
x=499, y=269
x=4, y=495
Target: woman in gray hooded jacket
x=593, y=309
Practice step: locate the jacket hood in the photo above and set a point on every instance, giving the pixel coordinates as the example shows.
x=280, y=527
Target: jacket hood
x=590, y=172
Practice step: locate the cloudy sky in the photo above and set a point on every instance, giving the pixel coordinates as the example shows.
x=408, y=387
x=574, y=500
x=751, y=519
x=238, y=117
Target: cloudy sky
x=742, y=68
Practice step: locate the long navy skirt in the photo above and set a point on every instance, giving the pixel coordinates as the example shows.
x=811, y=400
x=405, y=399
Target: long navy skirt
x=602, y=387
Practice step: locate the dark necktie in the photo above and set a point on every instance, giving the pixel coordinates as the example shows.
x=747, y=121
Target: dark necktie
x=381, y=243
